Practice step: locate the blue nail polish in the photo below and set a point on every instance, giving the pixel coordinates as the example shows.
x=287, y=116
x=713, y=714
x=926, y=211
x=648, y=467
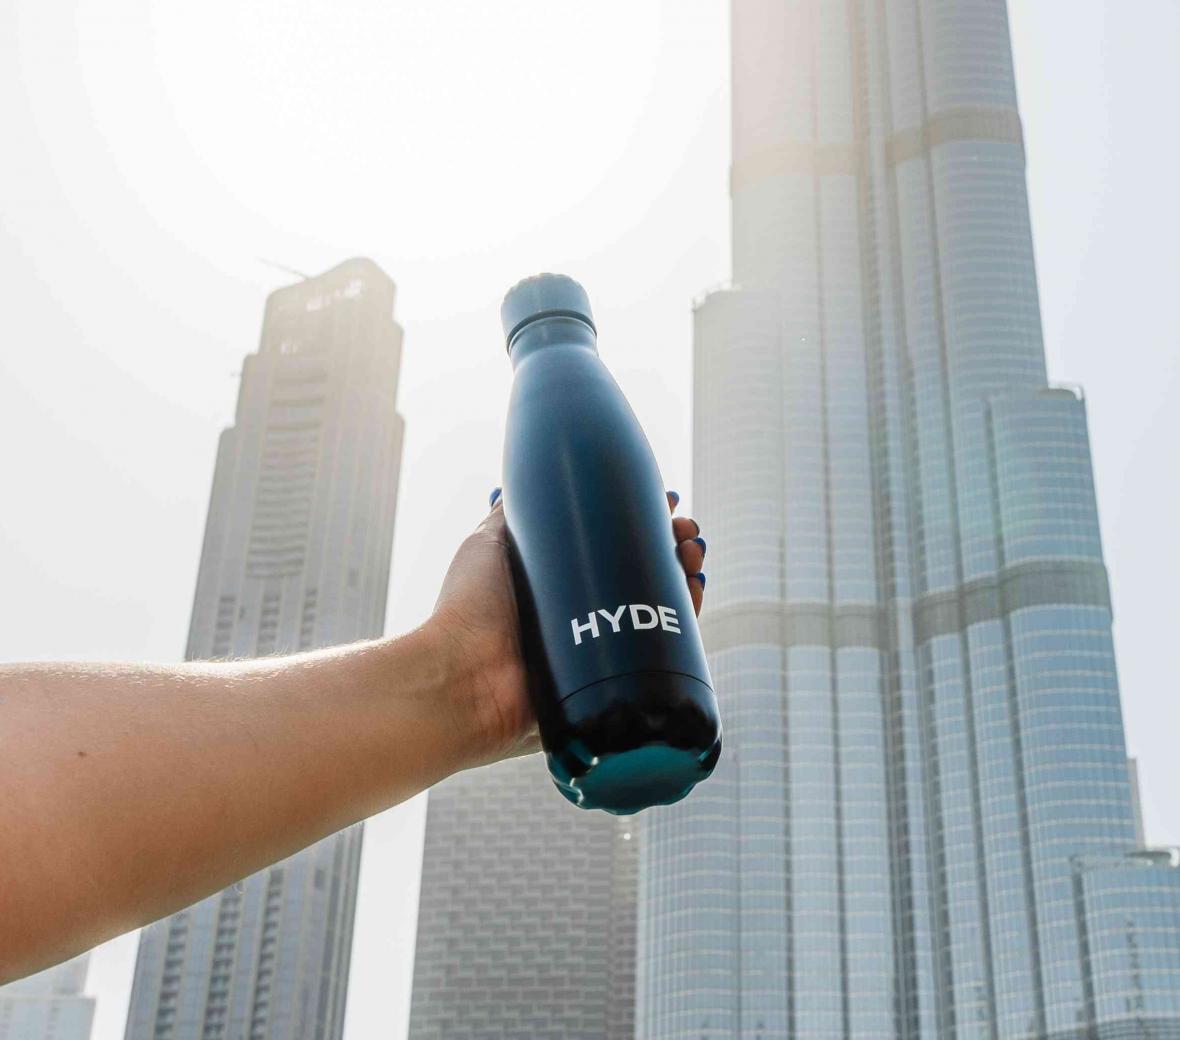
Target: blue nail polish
x=493, y=496
x=675, y=496
x=701, y=578
x=701, y=542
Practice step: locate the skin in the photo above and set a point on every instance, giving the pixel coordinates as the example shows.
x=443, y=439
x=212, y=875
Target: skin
x=130, y=791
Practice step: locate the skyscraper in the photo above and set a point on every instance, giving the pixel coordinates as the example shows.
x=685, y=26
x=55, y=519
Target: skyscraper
x=1136, y=802
x=49, y=1005
x=526, y=919
x=921, y=826
x=296, y=555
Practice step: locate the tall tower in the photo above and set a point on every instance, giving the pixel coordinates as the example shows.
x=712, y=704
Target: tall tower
x=526, y=921
x=922, y=823
x=296, y=556
x=49, y=1005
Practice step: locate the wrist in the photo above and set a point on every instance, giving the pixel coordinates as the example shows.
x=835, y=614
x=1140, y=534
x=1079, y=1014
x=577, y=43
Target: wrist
x=481, y=684
x=384, y=715
x=451, y=674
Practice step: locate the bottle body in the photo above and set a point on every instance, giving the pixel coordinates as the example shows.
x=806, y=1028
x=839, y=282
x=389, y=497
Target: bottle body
x=617, y=672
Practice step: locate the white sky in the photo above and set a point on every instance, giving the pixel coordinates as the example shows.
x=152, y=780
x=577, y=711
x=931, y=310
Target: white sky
x=151, y=153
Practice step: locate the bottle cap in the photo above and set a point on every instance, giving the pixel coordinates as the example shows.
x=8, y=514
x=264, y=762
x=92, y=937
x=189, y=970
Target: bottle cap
x=543, y=296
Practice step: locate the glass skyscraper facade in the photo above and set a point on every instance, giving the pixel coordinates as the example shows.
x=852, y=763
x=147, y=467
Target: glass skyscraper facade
x=1128, y=914
x=296, y=556
x=922, y=823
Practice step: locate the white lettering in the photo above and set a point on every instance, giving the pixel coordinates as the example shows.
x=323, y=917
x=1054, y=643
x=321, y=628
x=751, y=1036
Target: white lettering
x=652, y=619
x=591, y=626
x=669, y=622
x=614, y=618
x=643, y=618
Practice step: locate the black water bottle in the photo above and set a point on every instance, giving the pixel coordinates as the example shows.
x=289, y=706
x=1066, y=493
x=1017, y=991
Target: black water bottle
x=617, y=671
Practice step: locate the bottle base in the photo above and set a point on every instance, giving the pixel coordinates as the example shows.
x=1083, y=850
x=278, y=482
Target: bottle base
x=628, y=782
x=632, y=741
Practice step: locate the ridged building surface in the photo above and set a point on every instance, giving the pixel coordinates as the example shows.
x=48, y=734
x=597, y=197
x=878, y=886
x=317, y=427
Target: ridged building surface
x=296, y=556
x=526, y=919
x=922, y=823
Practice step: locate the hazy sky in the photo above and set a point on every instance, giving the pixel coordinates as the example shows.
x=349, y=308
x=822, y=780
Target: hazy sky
x=152, y=153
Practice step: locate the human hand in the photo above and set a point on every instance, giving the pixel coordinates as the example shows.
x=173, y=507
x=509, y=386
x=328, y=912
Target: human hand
x=170, y=782
x=476, y=626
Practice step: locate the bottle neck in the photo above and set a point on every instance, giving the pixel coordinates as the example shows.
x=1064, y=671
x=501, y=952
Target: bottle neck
x=556, y=330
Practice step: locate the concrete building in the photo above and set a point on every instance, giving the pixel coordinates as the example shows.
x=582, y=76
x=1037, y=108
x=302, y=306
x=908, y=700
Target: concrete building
x=296, y=556
x=526, y=919
x=924, y=794
x=50, y=1005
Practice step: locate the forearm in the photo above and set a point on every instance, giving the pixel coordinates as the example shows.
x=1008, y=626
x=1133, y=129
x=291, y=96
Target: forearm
x=163, y=784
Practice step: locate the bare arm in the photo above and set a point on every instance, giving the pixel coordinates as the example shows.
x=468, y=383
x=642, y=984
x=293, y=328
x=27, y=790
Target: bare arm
x=130, y=791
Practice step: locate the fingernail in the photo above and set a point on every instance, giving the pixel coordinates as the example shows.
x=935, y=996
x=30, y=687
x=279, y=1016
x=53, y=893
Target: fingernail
x=493, y=496
x=675, y=496
x=701, y=577
x=701, y=542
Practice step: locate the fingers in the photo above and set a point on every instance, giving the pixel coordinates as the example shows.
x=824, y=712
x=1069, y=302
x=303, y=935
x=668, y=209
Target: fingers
x=684, y=528
x=692, y=558
x=692, y=555
x=690, y=550
x=493, y=523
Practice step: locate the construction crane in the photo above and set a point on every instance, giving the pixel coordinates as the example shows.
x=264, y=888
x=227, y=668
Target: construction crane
x=284, y=268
